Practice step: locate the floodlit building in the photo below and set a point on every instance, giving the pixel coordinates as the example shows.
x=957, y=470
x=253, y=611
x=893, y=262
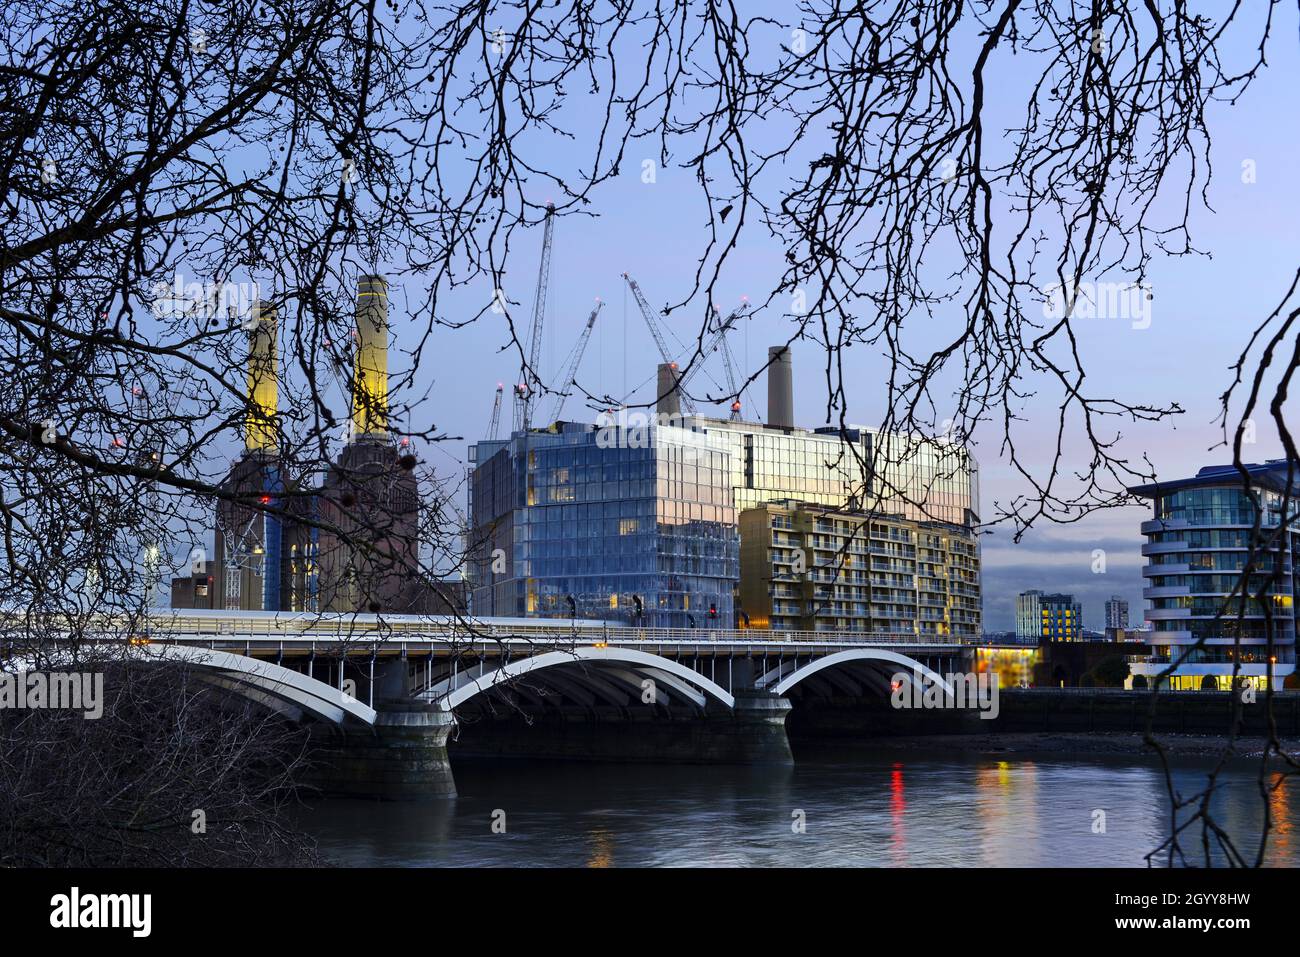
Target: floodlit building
x=345, y=539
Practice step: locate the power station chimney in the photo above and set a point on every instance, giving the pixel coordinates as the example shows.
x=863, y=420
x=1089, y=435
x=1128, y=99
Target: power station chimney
x=669, y=390
x=370, y=395
x=263, y=381
x=780, y=388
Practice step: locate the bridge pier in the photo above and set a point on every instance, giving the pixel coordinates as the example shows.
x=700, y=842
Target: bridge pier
x=758, y=726
x=403, y=756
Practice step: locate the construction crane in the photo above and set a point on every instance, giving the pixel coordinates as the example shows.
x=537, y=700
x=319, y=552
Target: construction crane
x=729, y=363
x=495, y=425
x=718, y=339
x=652, y=321
x=530, y=383
x=575, y=357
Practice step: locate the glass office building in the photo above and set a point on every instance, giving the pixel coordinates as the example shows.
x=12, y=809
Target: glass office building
x=916, y=479
x=588, y=521
x=645, y=507
x=1198, y=544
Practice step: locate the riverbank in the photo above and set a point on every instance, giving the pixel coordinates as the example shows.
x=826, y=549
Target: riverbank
x=1081, y=743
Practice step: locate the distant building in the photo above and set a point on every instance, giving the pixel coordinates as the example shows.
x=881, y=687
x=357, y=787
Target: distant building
x=1127, y=634
x=564, y=526
x=1198, y=543
x=808, y=567
x=1116, y=612
x=195, y=590
x=1042, y=617
x=445, y=596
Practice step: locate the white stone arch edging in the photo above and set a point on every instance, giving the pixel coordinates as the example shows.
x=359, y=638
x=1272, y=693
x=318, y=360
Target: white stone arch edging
x=550, y=659
x=859, y=654
x=313, y=696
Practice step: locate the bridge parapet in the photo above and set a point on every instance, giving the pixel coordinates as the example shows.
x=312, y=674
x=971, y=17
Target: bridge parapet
x=288, y=626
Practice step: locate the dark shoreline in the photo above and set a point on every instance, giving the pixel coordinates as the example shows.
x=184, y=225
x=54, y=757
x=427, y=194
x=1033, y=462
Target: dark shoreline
x=1068, y=743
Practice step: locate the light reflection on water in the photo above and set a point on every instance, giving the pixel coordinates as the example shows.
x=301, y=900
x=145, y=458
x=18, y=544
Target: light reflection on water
x=861, y=808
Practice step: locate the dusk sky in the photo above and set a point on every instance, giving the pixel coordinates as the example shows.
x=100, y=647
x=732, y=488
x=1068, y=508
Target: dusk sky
x=1203, y=310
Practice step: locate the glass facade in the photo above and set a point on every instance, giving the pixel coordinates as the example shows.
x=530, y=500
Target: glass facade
x=587, y=519
x=648, y=507
x=922, y=480
x=1198, y=547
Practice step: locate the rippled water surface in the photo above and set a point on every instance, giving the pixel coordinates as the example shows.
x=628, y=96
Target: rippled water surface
x=859, y=808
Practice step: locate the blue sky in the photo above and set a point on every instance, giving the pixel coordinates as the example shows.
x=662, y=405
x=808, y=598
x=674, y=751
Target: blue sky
x=1203, y=311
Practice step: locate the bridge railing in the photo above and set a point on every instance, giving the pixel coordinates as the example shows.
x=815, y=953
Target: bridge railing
x=369, y=628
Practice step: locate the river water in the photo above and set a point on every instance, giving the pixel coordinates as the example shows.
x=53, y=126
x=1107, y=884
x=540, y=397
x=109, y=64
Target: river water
x=857, y=807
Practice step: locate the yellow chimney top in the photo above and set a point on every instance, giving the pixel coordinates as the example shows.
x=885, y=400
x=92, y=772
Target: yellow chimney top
x=370, y=396
x=263, y=380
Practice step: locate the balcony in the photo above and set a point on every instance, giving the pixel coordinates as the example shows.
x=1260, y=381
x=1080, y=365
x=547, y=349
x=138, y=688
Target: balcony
x=1250, y=655
x=1167, y=614
x=1163, y=525
x=1160, y=548
x=1167, y=591
x=1151, y=571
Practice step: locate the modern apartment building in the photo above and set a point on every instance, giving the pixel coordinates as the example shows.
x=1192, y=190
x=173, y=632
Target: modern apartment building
x=1042, y=617
x=1199, y=541
x=806, y=567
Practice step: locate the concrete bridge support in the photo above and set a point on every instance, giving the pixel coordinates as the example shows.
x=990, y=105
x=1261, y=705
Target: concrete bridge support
x=402, y=756
x=758, y=723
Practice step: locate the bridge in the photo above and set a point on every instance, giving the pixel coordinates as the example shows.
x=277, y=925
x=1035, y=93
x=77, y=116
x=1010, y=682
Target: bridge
x=385, y=692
